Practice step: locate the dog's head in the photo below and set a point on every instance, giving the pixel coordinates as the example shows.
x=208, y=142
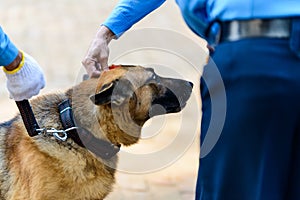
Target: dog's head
x=133, y=94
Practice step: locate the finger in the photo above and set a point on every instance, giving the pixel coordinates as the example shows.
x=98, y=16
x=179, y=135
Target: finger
x=90, y=68
x=103, y=60
x=95, y=74
x=104, y=65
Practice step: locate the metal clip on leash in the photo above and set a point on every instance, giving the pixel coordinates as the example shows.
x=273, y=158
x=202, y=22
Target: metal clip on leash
x=61, y=135
x=32, y=126
x=58, y=134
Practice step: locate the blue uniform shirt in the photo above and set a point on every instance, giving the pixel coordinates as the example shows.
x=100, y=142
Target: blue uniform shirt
x=198, y=13
x=249, y=9
x=8, y=51
x=128, y=12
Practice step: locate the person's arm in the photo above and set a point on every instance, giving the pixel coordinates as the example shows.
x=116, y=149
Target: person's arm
x=129, y=12
x=24, y=75
x=8, y=51
x=123, y=16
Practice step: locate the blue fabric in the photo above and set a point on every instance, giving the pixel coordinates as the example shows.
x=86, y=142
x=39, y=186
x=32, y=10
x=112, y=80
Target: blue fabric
x=128, y=12
x=195, y=15
x=249, y=9
x=8, y=51
x=257, y=156
x=295, y=36
x=198, y=13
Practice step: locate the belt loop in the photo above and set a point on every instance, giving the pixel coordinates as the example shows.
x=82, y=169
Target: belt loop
x=295, y=36
x=213, y=32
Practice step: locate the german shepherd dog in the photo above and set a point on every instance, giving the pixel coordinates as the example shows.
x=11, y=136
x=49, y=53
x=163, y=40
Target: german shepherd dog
x=111, y=109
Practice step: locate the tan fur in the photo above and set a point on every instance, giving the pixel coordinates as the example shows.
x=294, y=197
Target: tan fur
x=42, y=168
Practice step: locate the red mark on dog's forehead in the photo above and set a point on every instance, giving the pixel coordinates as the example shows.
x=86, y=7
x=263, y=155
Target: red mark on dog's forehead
x=114, y=66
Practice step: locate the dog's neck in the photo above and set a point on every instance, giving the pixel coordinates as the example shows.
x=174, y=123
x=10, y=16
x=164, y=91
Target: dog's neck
x=113, y=124
x=118, y=125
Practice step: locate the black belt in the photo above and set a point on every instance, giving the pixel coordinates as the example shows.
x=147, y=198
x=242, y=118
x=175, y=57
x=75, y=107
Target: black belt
x=241, y=29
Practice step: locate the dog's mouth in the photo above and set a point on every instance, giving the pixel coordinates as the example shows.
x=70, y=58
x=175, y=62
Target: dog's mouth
x=172, y=101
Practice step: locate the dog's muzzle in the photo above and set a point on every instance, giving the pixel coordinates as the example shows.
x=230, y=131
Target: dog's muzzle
x=174, y=98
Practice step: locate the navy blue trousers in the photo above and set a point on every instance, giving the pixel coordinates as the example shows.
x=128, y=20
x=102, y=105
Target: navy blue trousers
x=257, y=156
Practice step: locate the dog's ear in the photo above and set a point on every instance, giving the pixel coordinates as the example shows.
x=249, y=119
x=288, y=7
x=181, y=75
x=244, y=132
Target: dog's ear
x=115, y=93
x=104, y=96
x=123, y=91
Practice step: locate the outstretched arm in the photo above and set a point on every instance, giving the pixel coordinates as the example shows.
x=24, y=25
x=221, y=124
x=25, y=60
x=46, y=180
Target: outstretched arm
x=8, y=51
x=123, y=16
x=128, y=12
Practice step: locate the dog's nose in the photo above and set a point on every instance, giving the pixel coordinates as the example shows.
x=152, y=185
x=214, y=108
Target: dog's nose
x=191, y=84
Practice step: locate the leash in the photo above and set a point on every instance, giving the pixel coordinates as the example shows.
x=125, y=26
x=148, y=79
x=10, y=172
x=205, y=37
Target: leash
x=80, y=136
x=28, y=118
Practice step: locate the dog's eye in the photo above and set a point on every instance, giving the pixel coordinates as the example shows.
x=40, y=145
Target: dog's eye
x=156, y=78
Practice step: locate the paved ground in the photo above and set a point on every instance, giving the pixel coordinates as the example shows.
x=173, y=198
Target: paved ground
x=176, y=182
x=58, y=32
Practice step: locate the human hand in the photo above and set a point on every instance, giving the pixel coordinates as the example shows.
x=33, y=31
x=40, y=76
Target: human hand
x=97, y=56
x=25, y=79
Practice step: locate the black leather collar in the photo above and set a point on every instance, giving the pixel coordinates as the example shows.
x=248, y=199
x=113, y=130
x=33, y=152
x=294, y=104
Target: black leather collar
x=80, y=136
x=83, y=137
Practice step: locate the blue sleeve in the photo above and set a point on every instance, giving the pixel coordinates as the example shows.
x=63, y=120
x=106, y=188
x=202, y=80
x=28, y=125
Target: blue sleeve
x=8, y=51
x=195, y=15
x=128, y=12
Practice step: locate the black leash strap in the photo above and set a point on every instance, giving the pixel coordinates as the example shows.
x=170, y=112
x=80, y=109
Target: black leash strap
x=28, y=117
